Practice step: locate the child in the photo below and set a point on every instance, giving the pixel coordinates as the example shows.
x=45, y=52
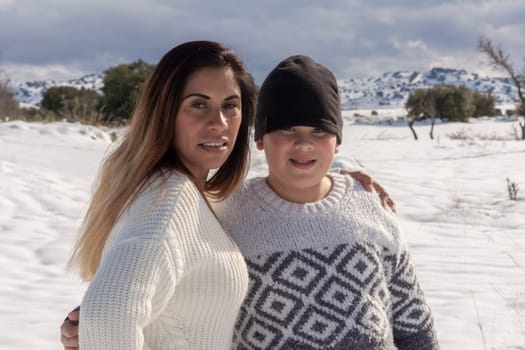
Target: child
x=327, y=264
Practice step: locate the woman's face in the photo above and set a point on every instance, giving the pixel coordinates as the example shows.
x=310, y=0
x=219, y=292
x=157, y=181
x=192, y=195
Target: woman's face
x=208, y=120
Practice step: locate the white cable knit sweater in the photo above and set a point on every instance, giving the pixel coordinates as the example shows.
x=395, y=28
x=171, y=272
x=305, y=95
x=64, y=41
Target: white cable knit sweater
x=334, y=274
x=170, y=277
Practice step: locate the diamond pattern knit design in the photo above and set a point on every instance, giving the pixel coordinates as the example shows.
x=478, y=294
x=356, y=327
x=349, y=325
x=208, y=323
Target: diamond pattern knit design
x=324, y=299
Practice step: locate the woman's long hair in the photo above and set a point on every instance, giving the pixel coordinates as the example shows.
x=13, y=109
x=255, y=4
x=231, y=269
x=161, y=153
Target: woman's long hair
x=147, y=149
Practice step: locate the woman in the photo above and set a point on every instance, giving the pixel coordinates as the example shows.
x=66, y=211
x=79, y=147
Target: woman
x=164, y=274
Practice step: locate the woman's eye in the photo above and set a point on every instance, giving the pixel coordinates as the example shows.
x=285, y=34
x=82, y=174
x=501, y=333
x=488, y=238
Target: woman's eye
x=230, y=106
x=199, y=105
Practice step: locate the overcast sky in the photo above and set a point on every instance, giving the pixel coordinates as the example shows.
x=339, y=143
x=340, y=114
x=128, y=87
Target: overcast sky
x=63, y=39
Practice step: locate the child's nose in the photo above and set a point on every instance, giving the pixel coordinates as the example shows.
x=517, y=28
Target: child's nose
x=303, y=143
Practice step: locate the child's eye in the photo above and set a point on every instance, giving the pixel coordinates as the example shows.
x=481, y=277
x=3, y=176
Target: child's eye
x=288, y=130
x=318, y=131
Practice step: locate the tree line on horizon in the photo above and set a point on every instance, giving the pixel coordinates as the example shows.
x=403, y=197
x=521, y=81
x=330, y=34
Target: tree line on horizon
x=113, y=106
x=448, y=103
x=122, y=85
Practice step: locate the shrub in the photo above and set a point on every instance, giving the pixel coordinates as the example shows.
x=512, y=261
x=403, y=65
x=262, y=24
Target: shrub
x=512, y=189
x=71, y=103
x=122, y=85
x=484, y=105
x=453, y=103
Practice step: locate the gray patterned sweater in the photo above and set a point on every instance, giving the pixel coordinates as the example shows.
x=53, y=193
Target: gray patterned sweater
x=333, y=274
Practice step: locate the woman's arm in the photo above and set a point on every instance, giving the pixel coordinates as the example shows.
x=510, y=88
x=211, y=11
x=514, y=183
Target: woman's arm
x=370, y=185
x=118, y=303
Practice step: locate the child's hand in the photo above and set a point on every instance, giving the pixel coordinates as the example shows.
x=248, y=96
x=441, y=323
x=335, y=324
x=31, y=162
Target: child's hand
x=370, y=185
x=69, y=330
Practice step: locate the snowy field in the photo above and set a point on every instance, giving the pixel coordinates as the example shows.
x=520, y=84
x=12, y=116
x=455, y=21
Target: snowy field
x=466, y=237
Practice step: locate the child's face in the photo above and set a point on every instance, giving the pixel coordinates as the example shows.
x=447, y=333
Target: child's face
x=298, y=158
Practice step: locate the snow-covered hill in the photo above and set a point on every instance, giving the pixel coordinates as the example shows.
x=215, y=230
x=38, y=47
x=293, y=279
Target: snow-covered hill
x=387, y=91
x=392, y=89
x=29, y=93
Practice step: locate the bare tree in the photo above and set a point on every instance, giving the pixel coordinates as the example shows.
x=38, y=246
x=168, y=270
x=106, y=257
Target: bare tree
x=8, y=103
x=499, y=59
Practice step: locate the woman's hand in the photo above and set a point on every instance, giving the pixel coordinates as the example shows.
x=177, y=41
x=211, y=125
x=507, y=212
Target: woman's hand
x=69, y=330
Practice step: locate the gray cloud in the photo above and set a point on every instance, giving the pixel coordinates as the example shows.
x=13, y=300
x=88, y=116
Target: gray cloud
x=353, y=38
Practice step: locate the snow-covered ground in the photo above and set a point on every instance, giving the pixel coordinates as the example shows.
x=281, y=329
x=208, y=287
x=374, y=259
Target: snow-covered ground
x=467, y=238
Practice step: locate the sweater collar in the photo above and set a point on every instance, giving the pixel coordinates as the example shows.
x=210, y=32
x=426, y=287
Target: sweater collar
x=268, y=198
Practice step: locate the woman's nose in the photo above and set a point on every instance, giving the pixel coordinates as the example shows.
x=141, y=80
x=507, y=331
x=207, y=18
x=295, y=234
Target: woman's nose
x=217, y=120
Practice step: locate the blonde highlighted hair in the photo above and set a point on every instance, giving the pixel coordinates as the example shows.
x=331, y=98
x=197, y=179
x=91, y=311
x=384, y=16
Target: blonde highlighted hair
x=147, y=149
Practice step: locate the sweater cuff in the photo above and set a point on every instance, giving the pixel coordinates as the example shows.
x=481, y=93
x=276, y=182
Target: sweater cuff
x=423, y=340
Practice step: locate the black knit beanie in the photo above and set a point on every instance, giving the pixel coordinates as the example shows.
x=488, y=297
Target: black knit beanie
x=299, y=92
